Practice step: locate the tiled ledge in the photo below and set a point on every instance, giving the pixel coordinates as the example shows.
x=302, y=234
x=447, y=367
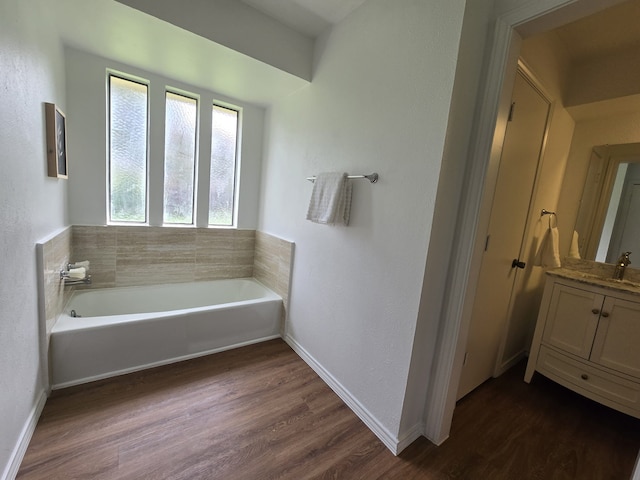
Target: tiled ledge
x=53, y=254
x=273, y=264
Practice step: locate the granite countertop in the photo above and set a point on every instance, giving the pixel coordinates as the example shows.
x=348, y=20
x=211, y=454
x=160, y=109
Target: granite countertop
x=598, y=278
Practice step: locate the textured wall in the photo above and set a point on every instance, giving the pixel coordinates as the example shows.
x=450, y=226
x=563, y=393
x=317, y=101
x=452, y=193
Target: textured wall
x=32, y=206
x=379, y=101
x=260, y=36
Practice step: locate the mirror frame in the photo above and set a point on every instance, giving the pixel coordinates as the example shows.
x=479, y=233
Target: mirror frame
x=596, y=193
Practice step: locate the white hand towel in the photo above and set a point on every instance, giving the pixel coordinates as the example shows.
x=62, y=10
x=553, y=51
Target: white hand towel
x=574, y=250
x=548, y=254
x=84, y=263
x=331, y=199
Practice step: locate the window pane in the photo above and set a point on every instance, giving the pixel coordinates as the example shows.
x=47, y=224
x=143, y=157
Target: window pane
x=127, y=150
x=179, y=158
x=223, y=165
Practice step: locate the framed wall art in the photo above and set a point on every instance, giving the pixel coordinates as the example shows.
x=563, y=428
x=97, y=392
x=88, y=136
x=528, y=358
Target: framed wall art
x=56, y=141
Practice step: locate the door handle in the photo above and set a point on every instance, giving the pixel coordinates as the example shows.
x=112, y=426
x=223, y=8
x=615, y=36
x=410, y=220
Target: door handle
x=517, y=263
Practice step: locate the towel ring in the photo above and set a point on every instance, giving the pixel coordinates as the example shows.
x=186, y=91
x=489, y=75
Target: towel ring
x=551, y=214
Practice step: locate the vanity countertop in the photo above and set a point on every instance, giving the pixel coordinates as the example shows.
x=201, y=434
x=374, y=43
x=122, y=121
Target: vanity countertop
x=626, y=286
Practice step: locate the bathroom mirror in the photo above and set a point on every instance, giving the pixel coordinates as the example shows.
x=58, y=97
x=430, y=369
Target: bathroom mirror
x=608, y=220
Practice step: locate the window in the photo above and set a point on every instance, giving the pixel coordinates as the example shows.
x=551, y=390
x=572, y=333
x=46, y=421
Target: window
x=128, y=107
x=222, y=173
x=143, y=188
x=179, y=158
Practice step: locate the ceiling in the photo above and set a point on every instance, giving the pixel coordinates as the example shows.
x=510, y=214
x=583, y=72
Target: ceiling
x=309, y=17
x=133, y=38
x=595, y=35
x=603, y=33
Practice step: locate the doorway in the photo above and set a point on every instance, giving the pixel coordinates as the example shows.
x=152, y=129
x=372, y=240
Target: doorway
x=529, y=17
x=502, y=259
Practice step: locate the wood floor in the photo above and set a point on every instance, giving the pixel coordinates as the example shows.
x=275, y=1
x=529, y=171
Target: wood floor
x=260, y=412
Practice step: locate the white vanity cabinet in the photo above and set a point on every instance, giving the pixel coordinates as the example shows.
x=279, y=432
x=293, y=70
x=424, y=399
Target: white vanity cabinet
x=587, y=338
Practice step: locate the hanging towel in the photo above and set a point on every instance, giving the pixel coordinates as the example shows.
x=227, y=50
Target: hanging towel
x=548, y=254
x=574, y=250
x=331, y=199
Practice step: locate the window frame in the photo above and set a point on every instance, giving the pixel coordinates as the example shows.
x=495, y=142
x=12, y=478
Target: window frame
x=196, y=158
x=236, y=165
x=157, y=88
x=147, y=84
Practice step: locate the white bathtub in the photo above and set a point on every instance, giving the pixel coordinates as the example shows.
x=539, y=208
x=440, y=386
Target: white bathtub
x=121, y=330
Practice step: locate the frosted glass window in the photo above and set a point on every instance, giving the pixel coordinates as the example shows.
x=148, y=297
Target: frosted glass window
x=179, y=158
x=224, y=135
x=127, y=150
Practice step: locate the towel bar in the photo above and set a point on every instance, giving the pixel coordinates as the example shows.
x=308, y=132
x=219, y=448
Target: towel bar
x=372, y=177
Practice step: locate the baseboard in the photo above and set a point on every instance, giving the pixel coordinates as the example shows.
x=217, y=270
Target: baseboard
x=509, y=363
x=410, y=436
x=11, y=470
x=635, y=475
x=389, y=440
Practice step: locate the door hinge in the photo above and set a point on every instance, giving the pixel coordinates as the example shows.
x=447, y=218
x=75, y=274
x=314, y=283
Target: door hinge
x=464, y=361
x=486, y=243
x=513, y=107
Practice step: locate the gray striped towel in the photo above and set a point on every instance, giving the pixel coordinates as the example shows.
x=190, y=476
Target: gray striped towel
x=331, y=199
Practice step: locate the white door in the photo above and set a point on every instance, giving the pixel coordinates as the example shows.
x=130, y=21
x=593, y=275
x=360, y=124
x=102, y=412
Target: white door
x=521, y=152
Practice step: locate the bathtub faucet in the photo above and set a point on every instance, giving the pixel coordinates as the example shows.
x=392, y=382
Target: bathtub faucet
x=77, y=277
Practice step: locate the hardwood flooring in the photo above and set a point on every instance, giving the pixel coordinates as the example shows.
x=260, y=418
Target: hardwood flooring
x=260, y=412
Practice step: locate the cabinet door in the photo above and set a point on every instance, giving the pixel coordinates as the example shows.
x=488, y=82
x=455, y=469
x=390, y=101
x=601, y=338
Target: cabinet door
x=617, y=342
x=572, y=320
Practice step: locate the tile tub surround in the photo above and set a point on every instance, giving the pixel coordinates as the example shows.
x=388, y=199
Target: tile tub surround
x=53, y=255
x=138, y=255
x=127, y=256
x=273, y=262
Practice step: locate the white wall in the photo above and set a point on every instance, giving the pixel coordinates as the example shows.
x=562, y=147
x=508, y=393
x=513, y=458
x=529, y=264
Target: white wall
x=238, y=26
x=86, y=117
x=611, y=76
x=476, y=25
x=380, y=102
x=32, y=206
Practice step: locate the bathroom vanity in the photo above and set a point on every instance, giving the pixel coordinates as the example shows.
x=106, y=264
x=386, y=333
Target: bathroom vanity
x=587, y=338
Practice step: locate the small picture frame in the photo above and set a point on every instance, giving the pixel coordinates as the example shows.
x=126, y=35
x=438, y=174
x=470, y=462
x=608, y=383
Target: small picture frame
x=56, y=141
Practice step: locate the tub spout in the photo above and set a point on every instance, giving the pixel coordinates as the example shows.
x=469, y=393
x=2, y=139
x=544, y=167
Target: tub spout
x=68, y=279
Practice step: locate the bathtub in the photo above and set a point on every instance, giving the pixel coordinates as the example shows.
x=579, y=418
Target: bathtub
x=121, y=330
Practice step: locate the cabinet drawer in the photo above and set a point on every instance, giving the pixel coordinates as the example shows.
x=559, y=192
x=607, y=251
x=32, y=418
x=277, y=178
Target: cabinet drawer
x=613, y=391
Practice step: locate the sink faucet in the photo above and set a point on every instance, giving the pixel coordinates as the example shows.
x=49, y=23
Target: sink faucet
x=621, y=264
